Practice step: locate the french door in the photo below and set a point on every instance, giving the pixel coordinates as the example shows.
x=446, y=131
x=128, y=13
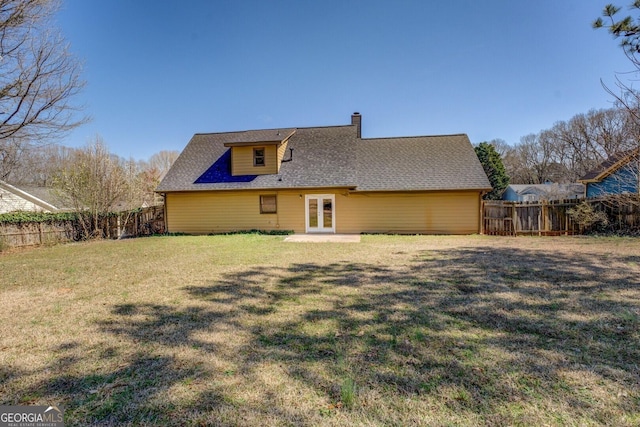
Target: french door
x=320, y=213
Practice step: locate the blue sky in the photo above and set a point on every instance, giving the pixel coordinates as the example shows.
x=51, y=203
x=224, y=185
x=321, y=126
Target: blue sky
x=157, y=71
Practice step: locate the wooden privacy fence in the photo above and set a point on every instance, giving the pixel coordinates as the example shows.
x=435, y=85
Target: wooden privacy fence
x=549, y=218
x=37, y=233
x=144, y=222
x=622, y=211
x=541, y=218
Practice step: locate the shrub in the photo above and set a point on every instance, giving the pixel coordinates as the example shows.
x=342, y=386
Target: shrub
x=587, y=217
x=22, y=217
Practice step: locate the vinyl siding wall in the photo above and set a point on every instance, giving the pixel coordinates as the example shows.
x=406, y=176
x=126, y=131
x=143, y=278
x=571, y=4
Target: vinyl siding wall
x=223, y=211
x=428, y=213
x=242, y=161
x=624, y=180
x=10, y=202
x=282, y=148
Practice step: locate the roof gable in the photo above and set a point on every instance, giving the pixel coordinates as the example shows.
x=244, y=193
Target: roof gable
x=609, y=166
x=29, y=196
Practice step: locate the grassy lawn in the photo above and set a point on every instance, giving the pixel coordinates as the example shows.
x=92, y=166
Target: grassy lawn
x=249, y=330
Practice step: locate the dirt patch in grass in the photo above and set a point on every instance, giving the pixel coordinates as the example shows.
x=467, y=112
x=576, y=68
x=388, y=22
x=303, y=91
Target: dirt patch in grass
x=248, y=330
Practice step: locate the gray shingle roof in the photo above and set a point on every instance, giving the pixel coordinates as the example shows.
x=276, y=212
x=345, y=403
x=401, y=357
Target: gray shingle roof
x=252, y=136
x=335, y=157
x=42, y=196
x=444, y=162
x=546, y=188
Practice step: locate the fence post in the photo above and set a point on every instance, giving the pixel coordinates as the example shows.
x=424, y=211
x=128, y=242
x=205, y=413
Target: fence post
x=545, y=215
x=514, y=219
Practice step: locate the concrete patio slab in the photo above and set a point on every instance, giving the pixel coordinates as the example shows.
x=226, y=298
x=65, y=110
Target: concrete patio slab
x=334, y=238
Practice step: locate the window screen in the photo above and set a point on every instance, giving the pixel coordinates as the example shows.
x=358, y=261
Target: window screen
x=268, y=204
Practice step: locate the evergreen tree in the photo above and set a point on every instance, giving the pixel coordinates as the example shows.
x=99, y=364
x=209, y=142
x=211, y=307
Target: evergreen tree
x=494, y=168
x=627, y=27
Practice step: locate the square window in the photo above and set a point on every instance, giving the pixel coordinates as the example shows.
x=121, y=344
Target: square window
x=258, y=157
x=268, y=204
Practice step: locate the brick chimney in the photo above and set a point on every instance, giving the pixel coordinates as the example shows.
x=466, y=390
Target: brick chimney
x=356, y=119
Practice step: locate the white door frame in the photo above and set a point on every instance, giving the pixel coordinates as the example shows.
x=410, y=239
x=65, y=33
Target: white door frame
x=320, y=228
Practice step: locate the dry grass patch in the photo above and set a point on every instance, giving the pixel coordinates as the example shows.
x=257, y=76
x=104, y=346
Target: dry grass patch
x=248, y=330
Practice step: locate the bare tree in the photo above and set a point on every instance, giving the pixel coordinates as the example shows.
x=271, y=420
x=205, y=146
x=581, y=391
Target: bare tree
x=501, y=146
x=11, y=152
x=533, y=157
x=38, y=79
x=162, y=162
x=93, y=182
x=513, y=165
x=39, y=164
x=570, y=149
x=587, y=139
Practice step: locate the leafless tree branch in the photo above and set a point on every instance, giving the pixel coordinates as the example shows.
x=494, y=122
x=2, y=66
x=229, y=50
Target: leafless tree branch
x=38, y=78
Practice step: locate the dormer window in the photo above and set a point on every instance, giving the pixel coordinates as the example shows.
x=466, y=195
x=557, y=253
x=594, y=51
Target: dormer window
x=258, y=152
x=258, y=157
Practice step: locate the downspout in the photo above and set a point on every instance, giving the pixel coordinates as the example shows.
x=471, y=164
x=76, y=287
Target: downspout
x=166, y=218
x=277, y=210
x=481, y=216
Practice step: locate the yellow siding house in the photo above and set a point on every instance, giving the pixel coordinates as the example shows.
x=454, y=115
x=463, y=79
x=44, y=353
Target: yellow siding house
x=324, y=180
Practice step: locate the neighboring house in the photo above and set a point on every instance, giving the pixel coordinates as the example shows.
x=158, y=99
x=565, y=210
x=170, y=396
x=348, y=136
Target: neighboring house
x=548, y=191
x=619, y=174
x=33, y=199
x=324, y=180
